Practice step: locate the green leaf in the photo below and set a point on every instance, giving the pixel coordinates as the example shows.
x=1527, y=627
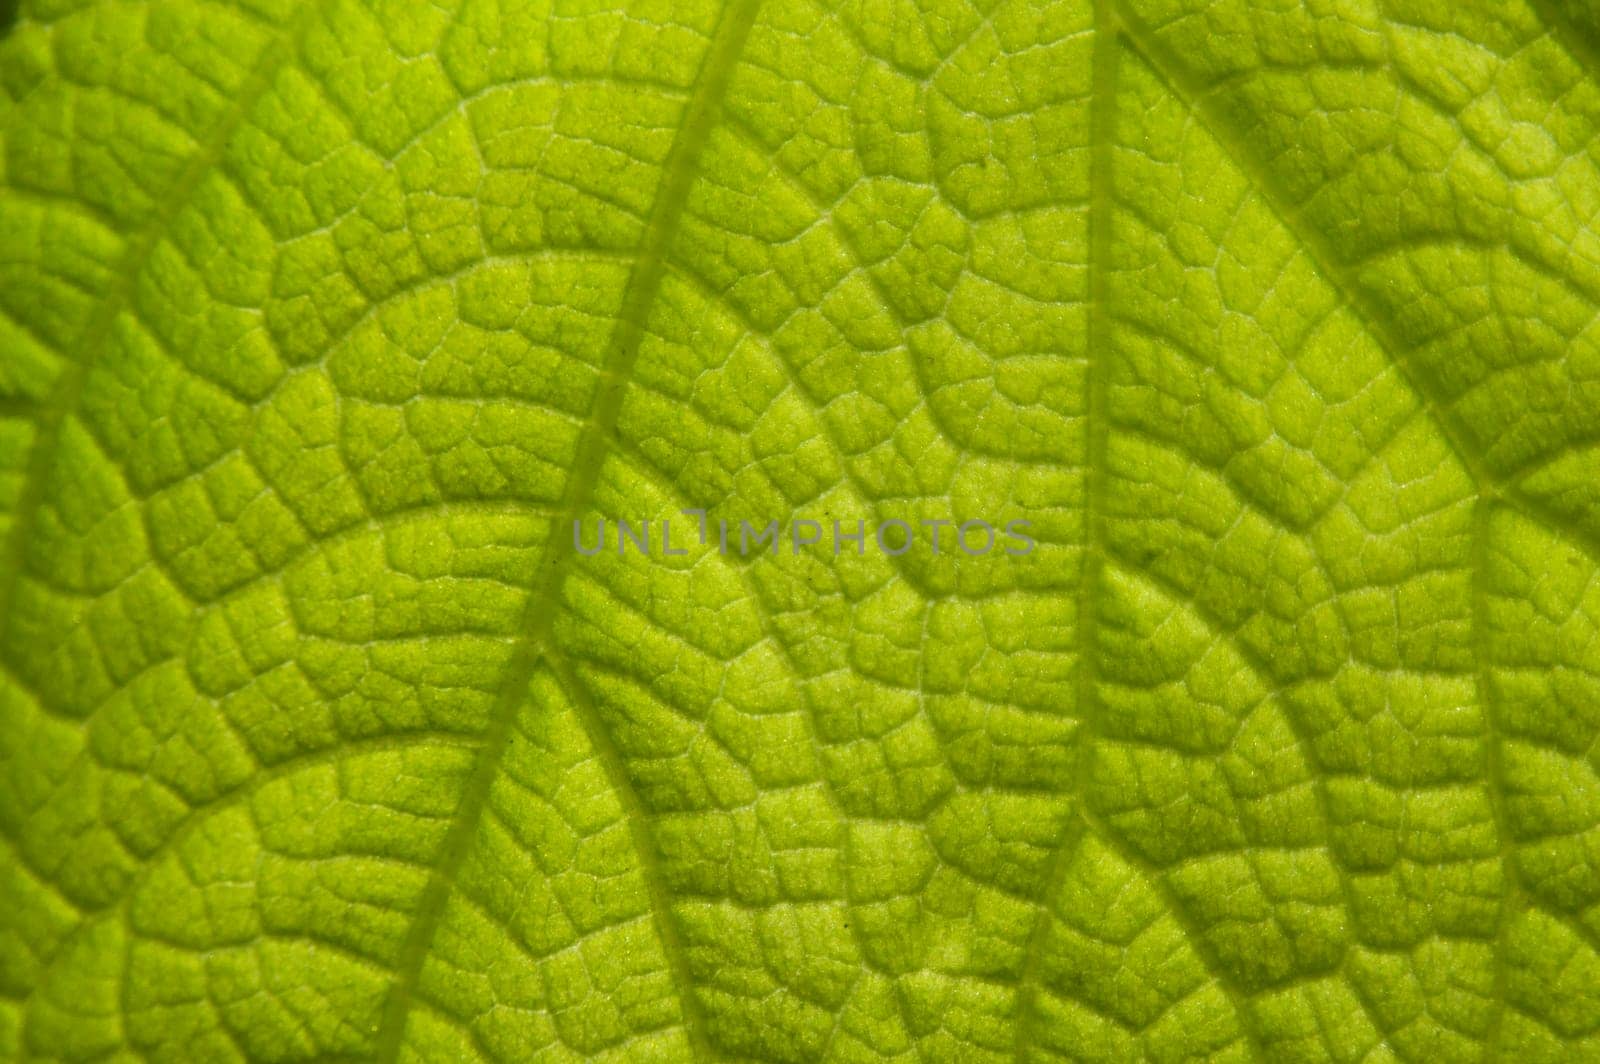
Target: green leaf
x=1277, y=323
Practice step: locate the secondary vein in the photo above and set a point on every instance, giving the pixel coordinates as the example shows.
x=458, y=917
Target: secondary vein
x=1102, y=133
x=51, y=415
x=680, y=169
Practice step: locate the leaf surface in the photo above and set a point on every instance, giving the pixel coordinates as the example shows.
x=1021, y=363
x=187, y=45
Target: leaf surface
x=322, y=323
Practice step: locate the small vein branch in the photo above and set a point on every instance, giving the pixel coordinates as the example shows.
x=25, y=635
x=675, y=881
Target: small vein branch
x=645, y=849
x=1489, y=482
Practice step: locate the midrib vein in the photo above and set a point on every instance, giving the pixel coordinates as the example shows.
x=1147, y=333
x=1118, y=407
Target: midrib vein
x=1102, y=144
x=679, y=171
x=64, y=398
